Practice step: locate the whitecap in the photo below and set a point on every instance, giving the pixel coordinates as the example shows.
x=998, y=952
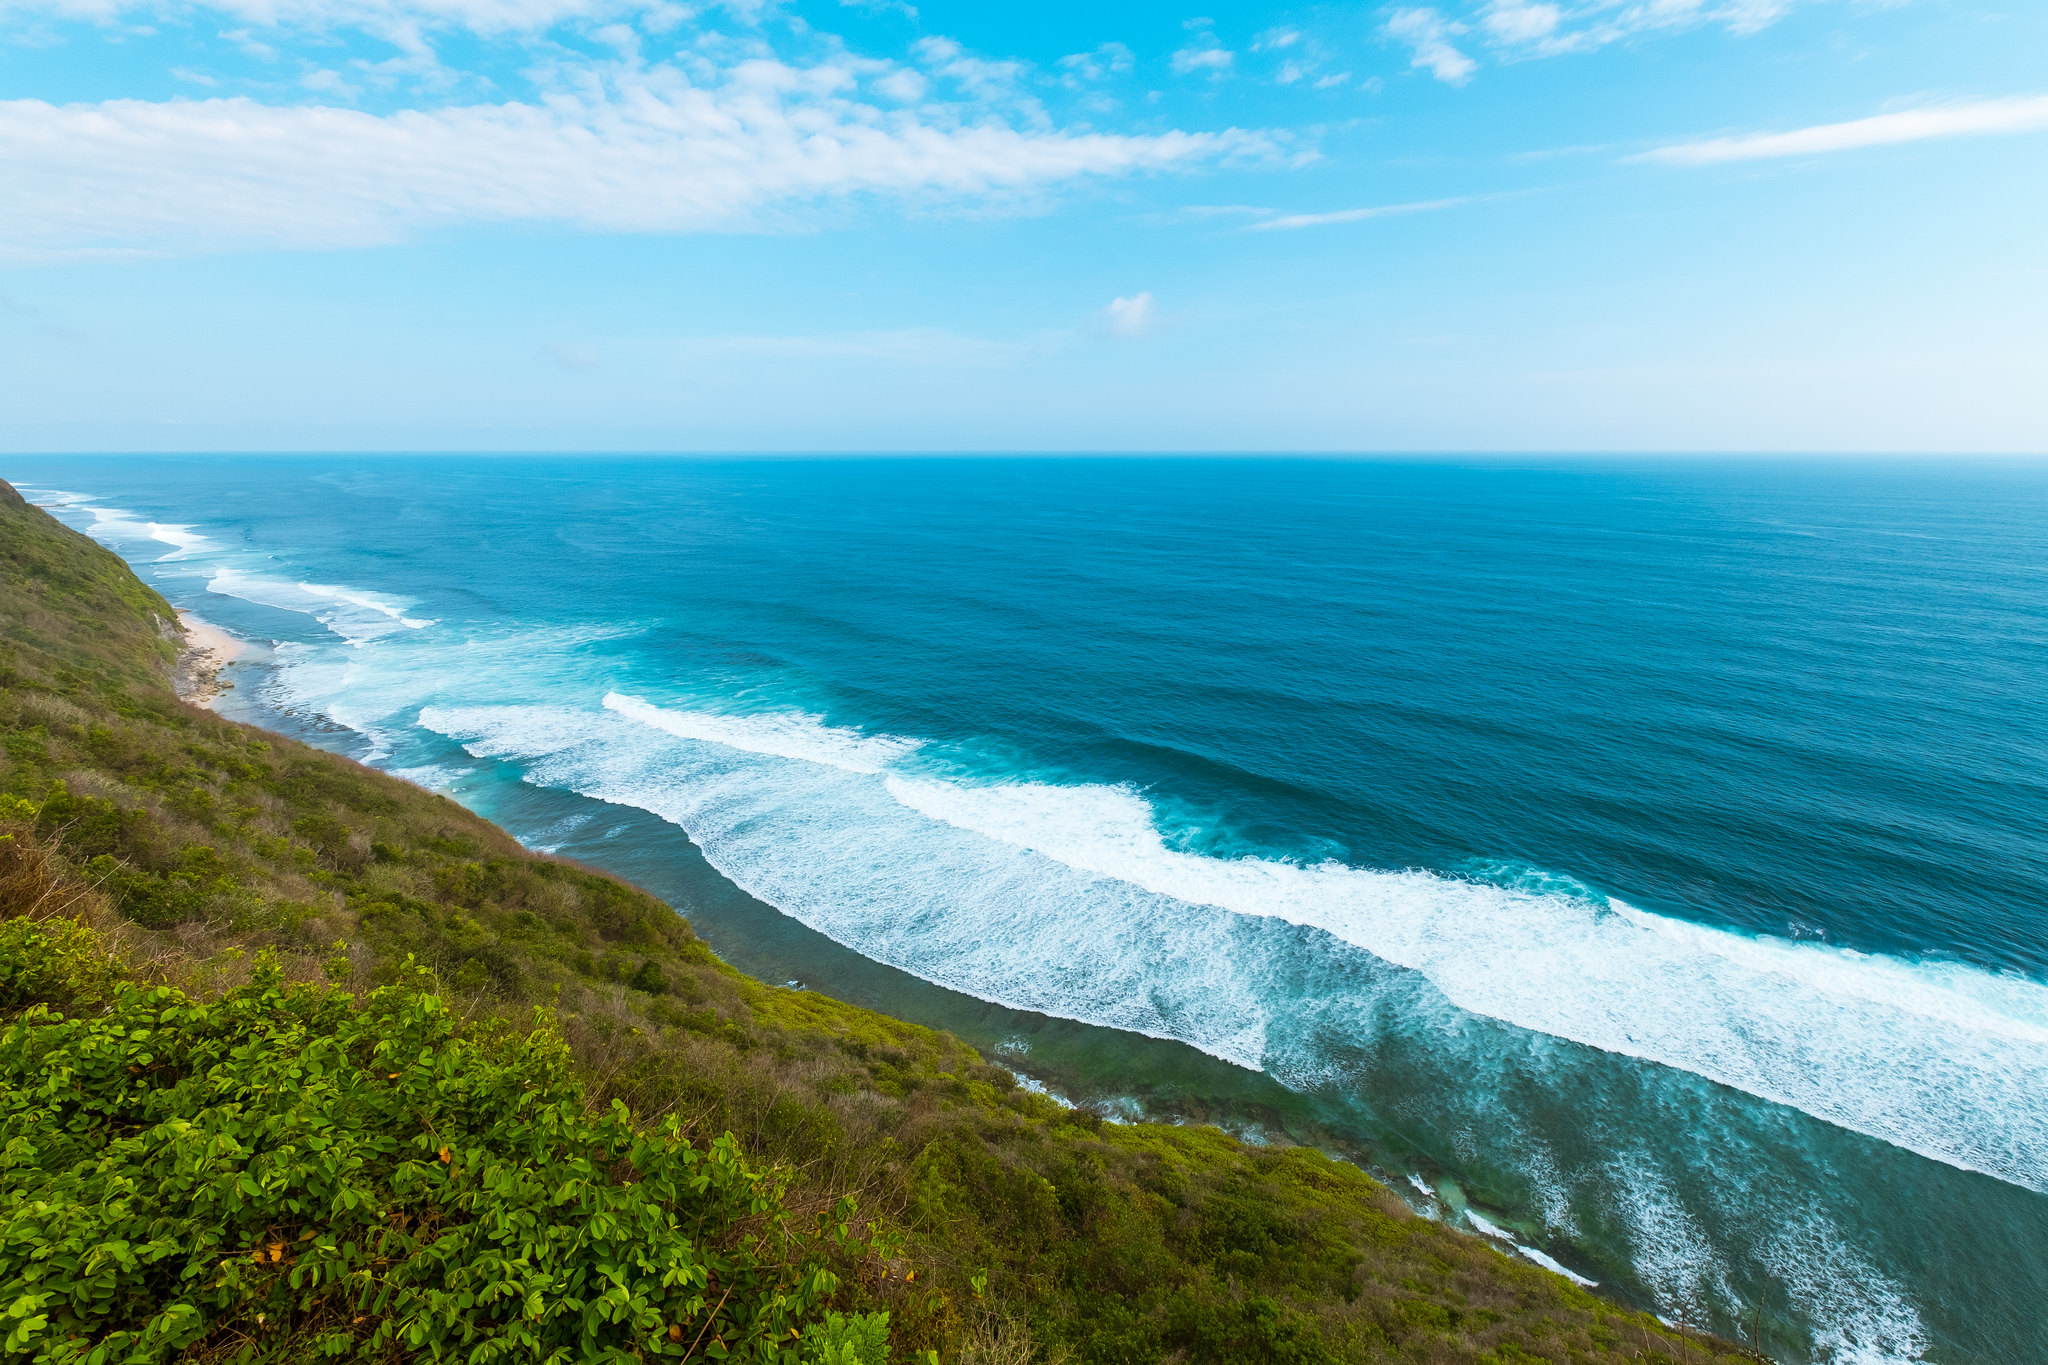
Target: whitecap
x=791, y=734
x=1861, y=1316
x=1493, y=1230
x=118, y=527
x=356, y=616
x=1939, y=1058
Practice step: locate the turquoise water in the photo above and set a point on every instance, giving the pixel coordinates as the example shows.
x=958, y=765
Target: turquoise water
x=1643, y=864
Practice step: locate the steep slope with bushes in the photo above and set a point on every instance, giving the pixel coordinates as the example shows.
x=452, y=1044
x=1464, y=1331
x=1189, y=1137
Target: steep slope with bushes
x=250, y=907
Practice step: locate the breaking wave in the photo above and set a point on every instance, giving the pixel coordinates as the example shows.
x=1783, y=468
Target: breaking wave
x=1069, y=900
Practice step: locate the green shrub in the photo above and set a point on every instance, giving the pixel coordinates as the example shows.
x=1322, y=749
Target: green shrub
x=847, y=1339
x=52, y=960
x=290, y=1173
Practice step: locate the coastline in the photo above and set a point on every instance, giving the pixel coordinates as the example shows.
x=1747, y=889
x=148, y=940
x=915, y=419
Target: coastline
x=1177, y=1085
x=207, y=653
x=754, y=937
x=325, y=829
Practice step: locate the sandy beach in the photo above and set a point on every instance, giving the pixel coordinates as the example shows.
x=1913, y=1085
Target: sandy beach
x=208, y=650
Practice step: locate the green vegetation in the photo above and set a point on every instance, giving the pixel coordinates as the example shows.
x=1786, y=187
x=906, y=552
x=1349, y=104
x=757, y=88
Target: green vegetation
x=292, y=1173
x=254, y=926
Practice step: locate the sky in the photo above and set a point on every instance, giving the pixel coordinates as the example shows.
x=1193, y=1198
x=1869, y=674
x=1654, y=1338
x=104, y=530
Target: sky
x=866, y=225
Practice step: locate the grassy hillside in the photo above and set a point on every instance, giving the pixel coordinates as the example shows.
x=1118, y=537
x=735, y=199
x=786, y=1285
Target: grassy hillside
x=233, y=871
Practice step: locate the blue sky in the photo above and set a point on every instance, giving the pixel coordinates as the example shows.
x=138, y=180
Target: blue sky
x=615, y=224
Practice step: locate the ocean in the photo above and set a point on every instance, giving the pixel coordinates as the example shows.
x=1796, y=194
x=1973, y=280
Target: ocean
x=1641, y=863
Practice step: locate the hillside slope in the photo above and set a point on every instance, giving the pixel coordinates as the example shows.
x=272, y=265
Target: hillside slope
x=1014, y=1228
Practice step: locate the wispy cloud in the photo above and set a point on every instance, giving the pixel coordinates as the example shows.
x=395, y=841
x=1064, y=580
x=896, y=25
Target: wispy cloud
x=1212, y=59
x=1287, y=222
x=1542, y=28
x=1515, y=21
x=2021, y=114
x=1449, y=40
x=376, y=16
x=1081, y=68
x=979, y=77
x=646, y=151
x=1428, y=37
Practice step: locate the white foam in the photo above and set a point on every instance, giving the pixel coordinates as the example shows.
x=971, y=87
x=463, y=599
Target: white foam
x=1939, y=1058
x=356, y=616
x=1100, y=920
x=384, y=607
x=1556, y=1267
x=434, y=777
x=1860, y=1316
x=825, y=842
x=1027, y=1084
x=1549, y=1187
x=1672, y=1254
x=1489, y=1229
x=1549, y=1263
x=53, y=497
x=790, y=734
x=115, y=526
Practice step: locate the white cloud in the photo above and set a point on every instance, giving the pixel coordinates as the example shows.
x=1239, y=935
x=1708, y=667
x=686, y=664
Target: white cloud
x=1084, y=67
x=902, y=85
x=977, y=76
x=1544, y=28
x=653, y=153
x=1512, y=21
x=328, y=82
x=1752, y=16
x=1192, y=59
x=375, y=16
x=1130, y=317
x=1306, y=220
x=261, y=51
x=1428, y=35
x=2021, y=114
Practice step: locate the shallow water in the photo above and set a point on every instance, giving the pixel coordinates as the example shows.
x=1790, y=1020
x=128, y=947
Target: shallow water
x=1647, y=861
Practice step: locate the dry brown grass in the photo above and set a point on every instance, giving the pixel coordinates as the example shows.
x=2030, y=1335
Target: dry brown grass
x=34, y=884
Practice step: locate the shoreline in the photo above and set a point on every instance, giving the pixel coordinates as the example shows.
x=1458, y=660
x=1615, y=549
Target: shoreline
x=1175, y=1095
x=207, y=653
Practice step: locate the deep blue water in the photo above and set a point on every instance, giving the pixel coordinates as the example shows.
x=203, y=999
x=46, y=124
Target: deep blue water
x=1646, y=862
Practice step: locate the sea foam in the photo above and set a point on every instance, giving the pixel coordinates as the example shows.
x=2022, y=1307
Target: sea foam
x=358, y=617
x=118, y=527
x=783, y=735
x=1939, y=1058
x=1068, y=900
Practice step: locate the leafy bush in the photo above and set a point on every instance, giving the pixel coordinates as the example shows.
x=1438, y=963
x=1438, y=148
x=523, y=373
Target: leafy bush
x=49, y=960
x=848, y=1339
x=292, y=1173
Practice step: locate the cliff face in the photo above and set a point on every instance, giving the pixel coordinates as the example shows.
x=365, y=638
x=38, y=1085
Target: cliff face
x=1009, y=1227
